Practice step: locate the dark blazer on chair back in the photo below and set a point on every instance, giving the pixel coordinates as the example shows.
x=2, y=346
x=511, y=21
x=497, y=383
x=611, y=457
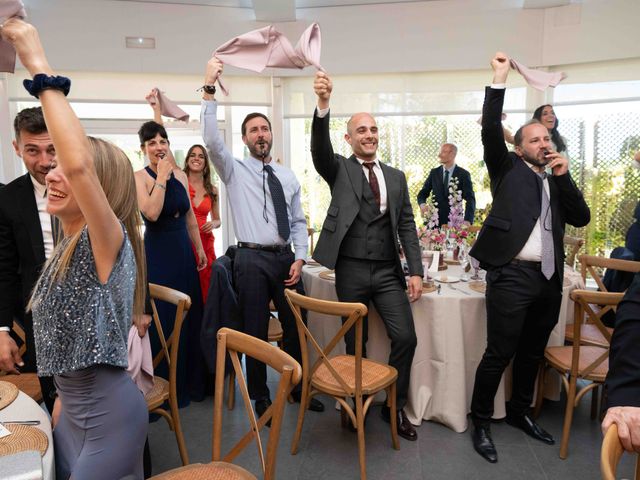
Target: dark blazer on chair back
x=516, y=191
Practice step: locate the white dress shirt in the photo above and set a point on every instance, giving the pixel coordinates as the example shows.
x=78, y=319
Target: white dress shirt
x=40, y=192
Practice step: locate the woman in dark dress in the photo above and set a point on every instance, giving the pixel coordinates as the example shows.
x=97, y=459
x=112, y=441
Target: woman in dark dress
x=170, y=228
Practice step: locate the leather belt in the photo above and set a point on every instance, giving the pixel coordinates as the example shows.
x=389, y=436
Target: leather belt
x=265, y=248
x=526, y=264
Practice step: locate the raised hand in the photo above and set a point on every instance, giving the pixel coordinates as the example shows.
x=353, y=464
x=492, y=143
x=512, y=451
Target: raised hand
x=164, y=170
x=214, y=70
x=501, y=65
x=322, y=86
x=557, y=163
x=25, y=39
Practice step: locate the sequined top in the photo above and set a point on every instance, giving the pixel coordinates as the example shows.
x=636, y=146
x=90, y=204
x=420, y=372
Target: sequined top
x=78, y=321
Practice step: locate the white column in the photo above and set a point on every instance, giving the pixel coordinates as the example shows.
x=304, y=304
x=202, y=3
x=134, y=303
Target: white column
x=277, y=122
x=10, y=164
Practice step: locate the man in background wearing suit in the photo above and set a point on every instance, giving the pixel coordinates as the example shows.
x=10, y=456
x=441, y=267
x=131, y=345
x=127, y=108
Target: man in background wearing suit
x=369, y=210
x=26, y=241
x=438, y=182
x=623, y=380
x=520, y=246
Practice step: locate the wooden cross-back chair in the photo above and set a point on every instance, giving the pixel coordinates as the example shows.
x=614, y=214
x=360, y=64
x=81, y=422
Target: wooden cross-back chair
x=578, y=361
x=589, y=265
x=164, y=390
x=341, y=376
x=611, y=453
x=233, y=343
x=572, y=247
x=27, y=382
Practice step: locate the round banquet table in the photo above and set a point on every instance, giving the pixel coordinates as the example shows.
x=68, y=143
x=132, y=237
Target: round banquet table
x=451, y=331
x=24, y=408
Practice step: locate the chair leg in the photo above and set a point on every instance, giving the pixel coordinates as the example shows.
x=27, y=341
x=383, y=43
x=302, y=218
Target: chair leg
x=391, y=401
x=301, y=411
x=594, y=402
x=177, y=429
x=361, y=446
x=231, y=397
x=568, y=418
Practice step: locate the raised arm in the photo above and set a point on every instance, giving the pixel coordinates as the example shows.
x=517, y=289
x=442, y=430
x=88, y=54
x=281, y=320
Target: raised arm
x=154, y=101
x=150, y=193
x=495, y=151
x=221, y=157
x=324, y=160
x=74, y=155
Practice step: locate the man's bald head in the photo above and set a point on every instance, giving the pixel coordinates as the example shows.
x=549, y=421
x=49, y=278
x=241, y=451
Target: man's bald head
x=362, y=135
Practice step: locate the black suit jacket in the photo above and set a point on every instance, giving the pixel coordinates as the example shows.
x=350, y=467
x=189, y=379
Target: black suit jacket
x=623, y=379
x=516, y=191
x=435, y=183
x=21, y=255
x=344, y=176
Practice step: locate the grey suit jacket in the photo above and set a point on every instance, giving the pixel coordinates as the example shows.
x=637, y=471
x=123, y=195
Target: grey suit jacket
x=344, y=176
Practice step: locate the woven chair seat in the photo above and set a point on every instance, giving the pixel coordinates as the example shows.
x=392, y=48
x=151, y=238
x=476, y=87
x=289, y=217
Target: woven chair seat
x=275, y=329
x=27, y=383
x=207, y=471
x=589, y=335
x=560, y=358
x=158, y=394
x=375, y=376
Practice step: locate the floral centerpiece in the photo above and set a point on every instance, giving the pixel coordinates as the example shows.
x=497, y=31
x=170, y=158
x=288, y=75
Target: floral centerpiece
x=457, y=228
x=431, y=236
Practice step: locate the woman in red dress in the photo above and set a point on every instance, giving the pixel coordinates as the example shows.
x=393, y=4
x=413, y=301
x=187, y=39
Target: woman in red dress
x=204, y=199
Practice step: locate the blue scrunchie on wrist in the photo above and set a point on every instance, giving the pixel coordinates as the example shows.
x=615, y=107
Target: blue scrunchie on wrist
x=42, y=81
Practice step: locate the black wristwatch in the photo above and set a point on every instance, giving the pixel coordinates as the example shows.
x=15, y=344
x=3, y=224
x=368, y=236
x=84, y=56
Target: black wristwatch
x=210, y=89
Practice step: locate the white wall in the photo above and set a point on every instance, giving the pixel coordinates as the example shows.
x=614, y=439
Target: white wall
x=411, y=37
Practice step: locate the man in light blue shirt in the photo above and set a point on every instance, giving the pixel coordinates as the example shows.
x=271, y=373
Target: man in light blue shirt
x=267, y=218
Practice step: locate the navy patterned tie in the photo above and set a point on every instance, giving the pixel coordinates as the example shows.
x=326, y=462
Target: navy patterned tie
x=548, y=257
x=446, y=182
x=279, y=203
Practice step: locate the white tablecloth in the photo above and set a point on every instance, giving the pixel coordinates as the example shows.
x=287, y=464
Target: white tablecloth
x=24, y=408
x=451, y=332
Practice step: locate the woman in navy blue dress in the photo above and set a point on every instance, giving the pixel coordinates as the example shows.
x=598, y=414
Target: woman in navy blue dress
x=170, y=228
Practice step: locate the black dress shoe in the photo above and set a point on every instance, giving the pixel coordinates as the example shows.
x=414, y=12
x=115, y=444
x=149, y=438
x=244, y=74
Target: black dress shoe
x=531, y=428
x=483, y=444
x=405, y=429
x=315, y=405
x=261, y=407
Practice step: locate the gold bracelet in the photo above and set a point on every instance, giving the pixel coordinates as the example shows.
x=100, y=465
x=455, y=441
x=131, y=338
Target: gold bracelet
x=160, y=185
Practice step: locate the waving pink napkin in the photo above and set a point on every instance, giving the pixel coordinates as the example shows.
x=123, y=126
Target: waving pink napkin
x=140, y=360
x=538, y=79
x=169, y=108
x=267, y=47
x=9, y=9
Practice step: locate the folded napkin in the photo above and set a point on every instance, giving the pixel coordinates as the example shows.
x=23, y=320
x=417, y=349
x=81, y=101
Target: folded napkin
x=537, y=78
x=169, y=108
x=140, y=360
x=9, y=9
x=267, y=47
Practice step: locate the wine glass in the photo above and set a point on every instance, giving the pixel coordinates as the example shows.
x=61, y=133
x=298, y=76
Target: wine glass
x=427, y=260
x=475, y=264
x=450, y=245
x=463, y=258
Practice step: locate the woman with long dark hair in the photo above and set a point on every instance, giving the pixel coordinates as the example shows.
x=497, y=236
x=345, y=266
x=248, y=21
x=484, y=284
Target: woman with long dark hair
x=547, y=117
x=204, y=201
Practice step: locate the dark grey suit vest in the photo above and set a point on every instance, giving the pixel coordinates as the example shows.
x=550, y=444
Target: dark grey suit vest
x=370, y=236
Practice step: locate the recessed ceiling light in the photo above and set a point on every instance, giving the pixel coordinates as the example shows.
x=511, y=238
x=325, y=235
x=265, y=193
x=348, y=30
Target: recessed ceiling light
x=140, y=42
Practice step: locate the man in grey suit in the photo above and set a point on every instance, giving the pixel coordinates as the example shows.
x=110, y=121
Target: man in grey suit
x=369, y=210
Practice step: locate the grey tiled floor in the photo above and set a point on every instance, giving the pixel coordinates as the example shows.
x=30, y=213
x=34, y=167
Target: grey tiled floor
x=329, y=452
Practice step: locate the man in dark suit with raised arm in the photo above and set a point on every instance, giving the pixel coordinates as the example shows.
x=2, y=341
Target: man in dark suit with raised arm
x=369, y=210
x=520, y=246
x=439, y=180
x=26, y=241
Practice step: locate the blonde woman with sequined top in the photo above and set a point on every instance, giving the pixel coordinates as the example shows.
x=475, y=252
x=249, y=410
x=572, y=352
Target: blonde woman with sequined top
x=92, y=284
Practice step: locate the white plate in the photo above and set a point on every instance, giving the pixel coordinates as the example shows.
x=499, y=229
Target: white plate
x=447, y=279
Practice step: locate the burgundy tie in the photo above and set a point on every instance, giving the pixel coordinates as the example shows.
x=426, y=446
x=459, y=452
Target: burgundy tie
x=373, y=181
